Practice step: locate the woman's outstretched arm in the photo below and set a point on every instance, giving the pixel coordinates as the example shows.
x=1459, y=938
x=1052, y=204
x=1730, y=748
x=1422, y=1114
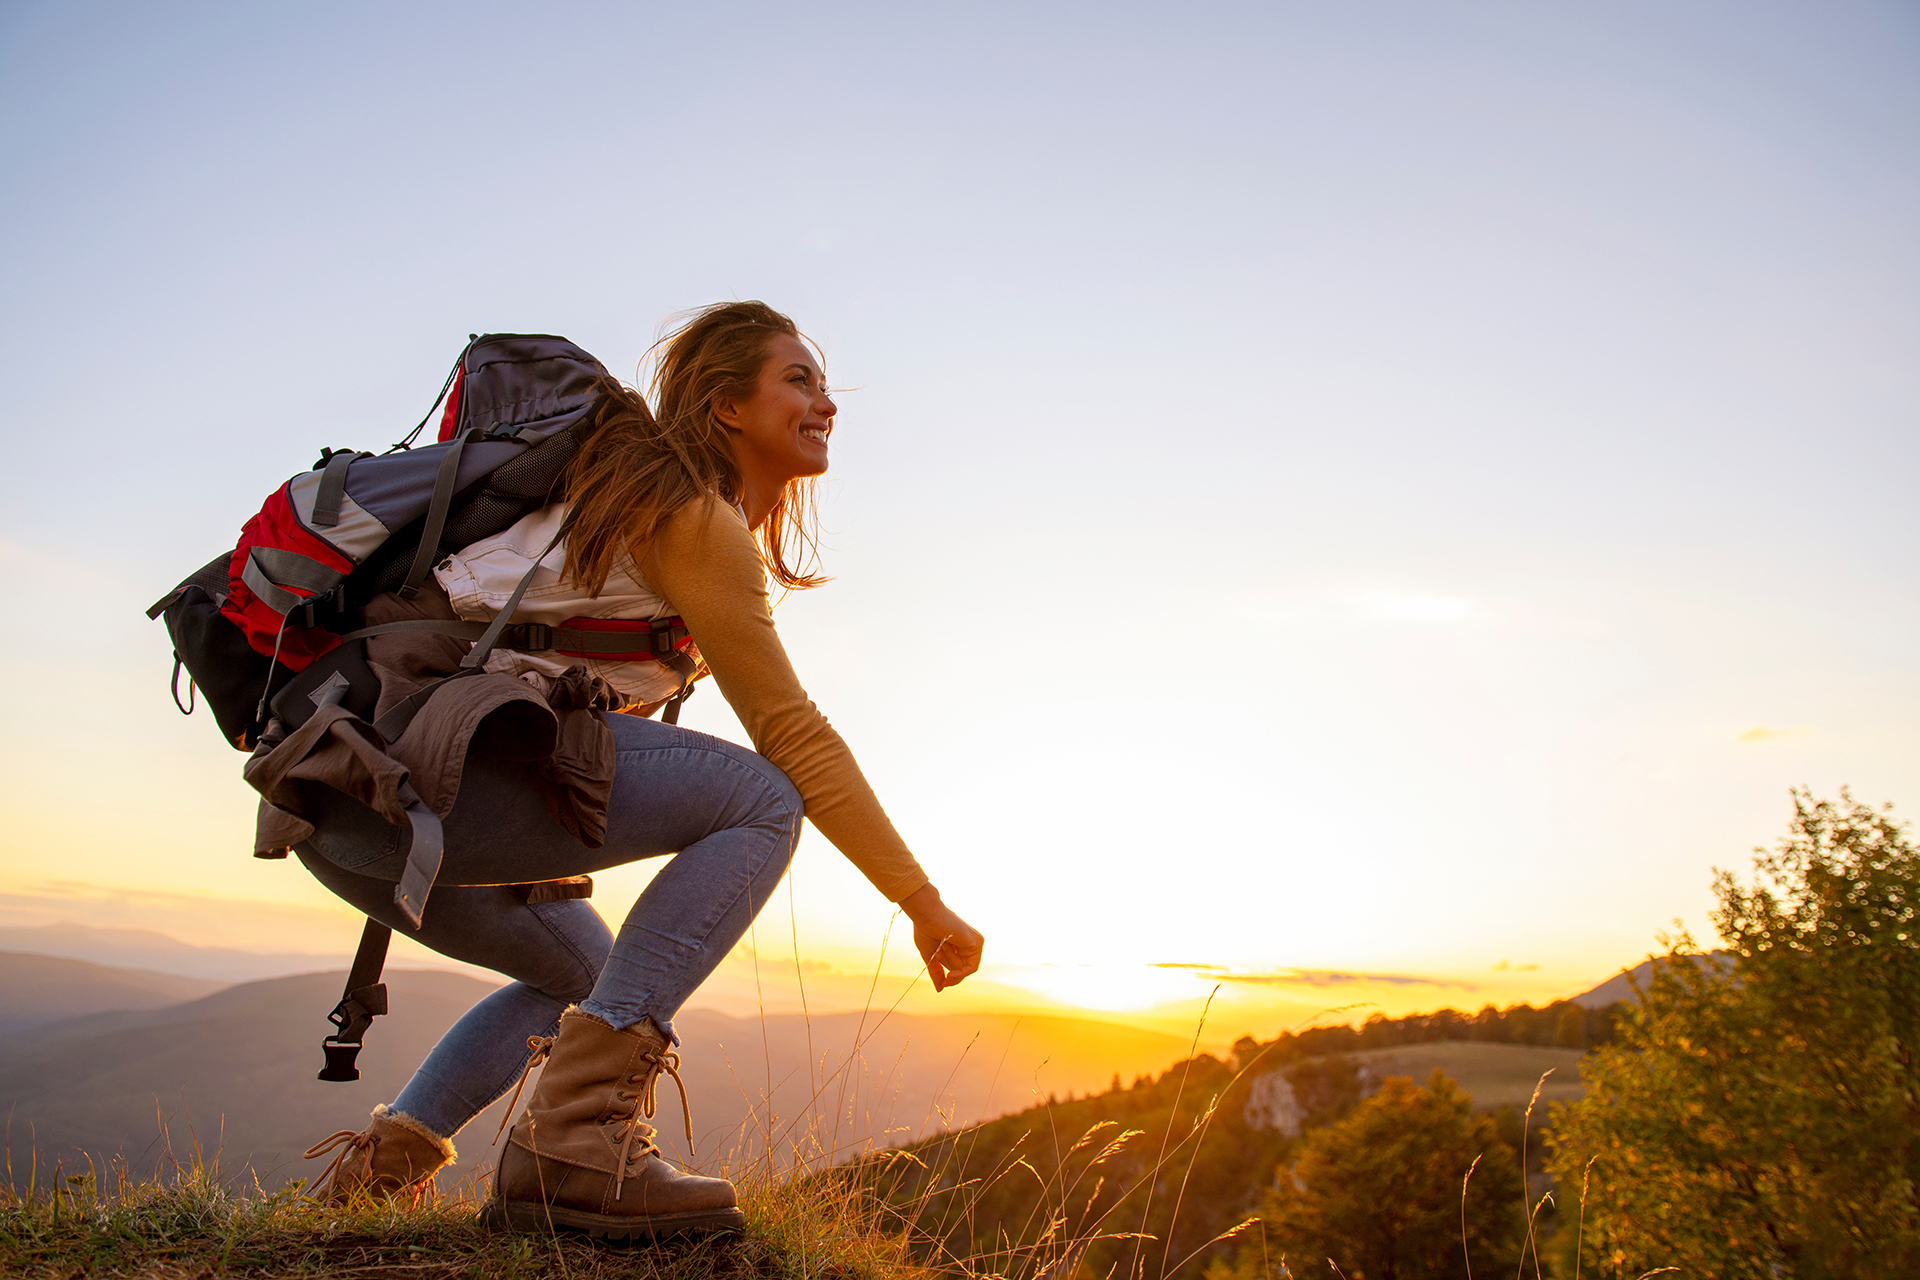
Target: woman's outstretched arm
x=705, y=564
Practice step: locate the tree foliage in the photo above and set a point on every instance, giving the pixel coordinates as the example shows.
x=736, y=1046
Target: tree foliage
x=1761, y=1117
x=1380, y=1193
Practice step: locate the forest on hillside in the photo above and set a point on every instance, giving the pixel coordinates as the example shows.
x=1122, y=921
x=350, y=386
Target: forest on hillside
x=1142, y=1176
x=1754, y=1116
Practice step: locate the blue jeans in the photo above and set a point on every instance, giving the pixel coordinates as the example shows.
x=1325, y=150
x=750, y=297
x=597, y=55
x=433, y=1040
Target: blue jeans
x=728, y=818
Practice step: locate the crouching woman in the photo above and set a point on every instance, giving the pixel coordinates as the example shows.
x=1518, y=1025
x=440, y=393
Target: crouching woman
x=682, y=509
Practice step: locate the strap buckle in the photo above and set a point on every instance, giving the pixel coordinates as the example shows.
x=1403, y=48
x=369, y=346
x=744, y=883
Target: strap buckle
x=350, y=1018
x=357, y=1010
x=534, y=636
x=340, y=1068
x=660, y=636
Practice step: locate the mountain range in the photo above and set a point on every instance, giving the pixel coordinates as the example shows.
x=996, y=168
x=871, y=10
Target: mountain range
x=104, y=1061
x=157, y=952
x=233, y=1072
x=39, y=989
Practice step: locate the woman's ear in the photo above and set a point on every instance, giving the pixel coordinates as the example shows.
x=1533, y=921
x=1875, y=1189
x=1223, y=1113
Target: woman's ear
x=726, y=409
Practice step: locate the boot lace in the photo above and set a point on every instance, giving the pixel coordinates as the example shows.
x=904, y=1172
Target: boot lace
x=542, y=1047
x=349, y=1142
x=665, y=1062
x=637, y=1142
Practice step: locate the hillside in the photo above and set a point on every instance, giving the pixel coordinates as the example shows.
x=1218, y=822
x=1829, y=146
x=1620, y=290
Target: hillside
x=236, y=1070
x=1189, y=1153
x=148, y=950
x=37, y=989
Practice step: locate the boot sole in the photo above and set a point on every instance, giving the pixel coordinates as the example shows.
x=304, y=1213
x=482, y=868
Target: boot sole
x=529, y=1215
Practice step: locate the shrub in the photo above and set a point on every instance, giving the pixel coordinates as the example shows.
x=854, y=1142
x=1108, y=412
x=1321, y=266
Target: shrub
x=1761, y=1117
x=1380, y=1193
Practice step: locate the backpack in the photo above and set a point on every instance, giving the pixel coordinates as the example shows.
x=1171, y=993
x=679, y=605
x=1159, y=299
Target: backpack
x=268, y=632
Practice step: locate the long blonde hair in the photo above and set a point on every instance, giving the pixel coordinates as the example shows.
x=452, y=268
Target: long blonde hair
x=640, y=465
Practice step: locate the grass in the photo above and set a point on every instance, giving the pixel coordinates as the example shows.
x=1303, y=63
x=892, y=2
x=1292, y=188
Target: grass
x=191, y=1225
x=1131, y=1196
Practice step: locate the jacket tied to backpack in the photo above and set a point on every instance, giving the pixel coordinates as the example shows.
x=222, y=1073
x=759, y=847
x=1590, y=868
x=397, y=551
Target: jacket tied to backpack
x=552, y=724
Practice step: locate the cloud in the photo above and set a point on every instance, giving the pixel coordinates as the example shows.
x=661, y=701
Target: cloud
x=1412, y=606
x=1764, y=734
x=1315, y=978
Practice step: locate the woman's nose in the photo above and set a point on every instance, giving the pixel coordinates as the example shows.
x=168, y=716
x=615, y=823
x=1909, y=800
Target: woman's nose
x=825, y=406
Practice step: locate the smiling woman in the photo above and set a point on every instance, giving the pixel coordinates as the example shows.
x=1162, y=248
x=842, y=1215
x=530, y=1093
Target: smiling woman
x=675, y=517
x=780, y=427
x=741, y=411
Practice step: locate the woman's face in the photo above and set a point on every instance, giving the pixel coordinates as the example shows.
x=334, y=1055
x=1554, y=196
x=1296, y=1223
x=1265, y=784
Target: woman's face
x=780, y=431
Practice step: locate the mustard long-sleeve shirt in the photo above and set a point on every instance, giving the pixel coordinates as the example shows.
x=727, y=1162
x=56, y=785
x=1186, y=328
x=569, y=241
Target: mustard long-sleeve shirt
x=705, y=563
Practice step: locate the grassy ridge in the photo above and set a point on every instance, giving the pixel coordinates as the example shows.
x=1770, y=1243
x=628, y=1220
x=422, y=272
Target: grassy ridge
x=193, y=1225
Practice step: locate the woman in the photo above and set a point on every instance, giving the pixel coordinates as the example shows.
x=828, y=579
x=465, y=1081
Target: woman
x=681, y=511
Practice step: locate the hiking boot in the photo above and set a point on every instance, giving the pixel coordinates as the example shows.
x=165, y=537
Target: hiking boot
x=582, y=1156
x=394, y=1154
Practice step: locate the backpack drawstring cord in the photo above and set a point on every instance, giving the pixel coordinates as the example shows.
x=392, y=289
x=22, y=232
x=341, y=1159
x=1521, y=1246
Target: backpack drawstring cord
x=260, y=712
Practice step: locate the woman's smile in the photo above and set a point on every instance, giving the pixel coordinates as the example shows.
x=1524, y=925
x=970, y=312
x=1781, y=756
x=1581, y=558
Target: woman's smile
x=779, y=427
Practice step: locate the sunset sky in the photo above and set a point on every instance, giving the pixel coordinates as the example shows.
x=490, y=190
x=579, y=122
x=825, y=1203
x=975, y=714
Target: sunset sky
x=1356, y=503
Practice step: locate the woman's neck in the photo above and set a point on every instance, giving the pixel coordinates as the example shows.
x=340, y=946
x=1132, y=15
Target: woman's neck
x=758, y=500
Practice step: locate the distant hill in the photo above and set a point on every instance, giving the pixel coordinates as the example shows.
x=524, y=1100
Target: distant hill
x=36, y=989
x=235, y=1071
x=146, y=949
x=1618, y=987
x=888, y=1082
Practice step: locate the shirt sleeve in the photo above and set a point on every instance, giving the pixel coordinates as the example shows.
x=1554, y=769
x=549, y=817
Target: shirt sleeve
x=705, y=564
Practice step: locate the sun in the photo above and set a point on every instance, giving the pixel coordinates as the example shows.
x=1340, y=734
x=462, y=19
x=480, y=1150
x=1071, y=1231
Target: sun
x=1112, y=987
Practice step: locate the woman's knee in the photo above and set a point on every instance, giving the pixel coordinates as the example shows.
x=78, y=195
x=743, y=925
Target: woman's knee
x=578, y=952
x=759, y=792
x=785, y=798
x=779, y=809
x=557, y=948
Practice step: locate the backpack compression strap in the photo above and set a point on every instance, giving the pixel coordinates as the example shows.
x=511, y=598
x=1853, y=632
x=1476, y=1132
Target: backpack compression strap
x=437, y=507
x=364, y=1000
x=614, y=639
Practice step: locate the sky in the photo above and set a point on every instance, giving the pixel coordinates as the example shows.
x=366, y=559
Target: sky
x=1365, y=506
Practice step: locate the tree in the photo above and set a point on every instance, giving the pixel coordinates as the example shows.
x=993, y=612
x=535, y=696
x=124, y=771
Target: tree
x=1758, y=1117
x=1570, y=1031
x=1379, y=1193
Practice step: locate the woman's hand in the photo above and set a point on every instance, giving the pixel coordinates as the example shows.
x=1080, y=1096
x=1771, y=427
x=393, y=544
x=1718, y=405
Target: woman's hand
x=950, y=946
